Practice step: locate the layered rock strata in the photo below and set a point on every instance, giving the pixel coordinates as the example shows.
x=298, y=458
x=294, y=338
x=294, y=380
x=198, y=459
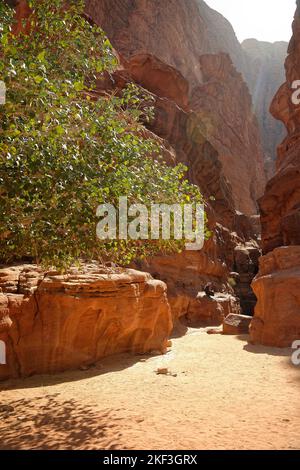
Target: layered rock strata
x=277, y=314
x=266, y=74
x=277, y=288
x=51, y=322
x=203, y=116
x=190, y=37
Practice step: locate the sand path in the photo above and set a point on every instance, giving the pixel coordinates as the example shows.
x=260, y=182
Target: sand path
x=225, y=394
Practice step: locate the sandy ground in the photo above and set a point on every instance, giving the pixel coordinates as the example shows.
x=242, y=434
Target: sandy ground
x=223, y=394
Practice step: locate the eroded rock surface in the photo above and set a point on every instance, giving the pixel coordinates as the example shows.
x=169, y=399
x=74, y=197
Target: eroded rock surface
x=266, y=74
x=203, y=118
x=236, y=325
x=277, y=314
x=182, y=35
x=280, y=205
x=172, y=51
x=51, y=322
x=182, y=137
x=223, y=103
x=277, y=288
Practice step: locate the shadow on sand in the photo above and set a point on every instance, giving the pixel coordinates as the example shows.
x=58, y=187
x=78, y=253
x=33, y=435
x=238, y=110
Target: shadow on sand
x=47, y=423
x=259, y=349
x=104, y=366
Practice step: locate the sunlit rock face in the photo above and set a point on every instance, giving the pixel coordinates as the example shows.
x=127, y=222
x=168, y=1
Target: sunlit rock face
x=51, y=322
x=223, y=102
x=175, y=31
x=185, y=36
x=280, y=205
x=266, y=74
x=277, y=285
x=203, y=118
x=203, y=114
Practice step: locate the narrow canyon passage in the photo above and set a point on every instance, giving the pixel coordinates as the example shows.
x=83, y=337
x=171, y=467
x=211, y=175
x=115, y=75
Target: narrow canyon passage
x=121, y=120
x=221, y=393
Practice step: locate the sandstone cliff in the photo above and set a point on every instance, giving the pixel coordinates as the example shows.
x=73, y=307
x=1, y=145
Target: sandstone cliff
x=280, y=205
x=178, y=33
x=203, y=118
x=175, y=31
x=265, y=75
x=51, y=322
x=183, y=139
x=203, y=114
x=277, y=315
x=277, y=288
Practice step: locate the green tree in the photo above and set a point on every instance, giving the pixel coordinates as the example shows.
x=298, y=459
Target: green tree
x=62, y=152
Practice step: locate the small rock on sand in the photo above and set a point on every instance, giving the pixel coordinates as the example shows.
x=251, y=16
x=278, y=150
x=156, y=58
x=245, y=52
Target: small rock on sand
x=162, y=371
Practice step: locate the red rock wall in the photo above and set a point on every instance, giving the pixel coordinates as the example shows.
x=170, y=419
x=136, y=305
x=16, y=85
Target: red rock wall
x=223, y=102
x=266, y=74
x=178, y=33
x=203, y=116
x=277, y=314
x=51, y=322
x=277, y=288
x=280, y=205
x=183, y=139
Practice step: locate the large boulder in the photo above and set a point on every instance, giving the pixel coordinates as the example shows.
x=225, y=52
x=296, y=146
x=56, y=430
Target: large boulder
x=236, y=324
x=52, y=322
x=277, y=288
x=211, y=311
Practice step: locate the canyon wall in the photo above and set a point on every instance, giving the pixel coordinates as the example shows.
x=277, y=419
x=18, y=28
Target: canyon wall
x=280, y=205
x=179, y=34
x=51, y=322
x=265, y=75
x=203, y=114
x=175, y=31
x=277, y=288
x=277, y=315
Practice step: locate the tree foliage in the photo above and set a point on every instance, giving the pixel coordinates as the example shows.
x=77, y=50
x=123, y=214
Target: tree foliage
x=63, y=153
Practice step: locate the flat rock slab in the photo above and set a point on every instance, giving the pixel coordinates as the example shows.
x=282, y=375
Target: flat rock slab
x=236, y=324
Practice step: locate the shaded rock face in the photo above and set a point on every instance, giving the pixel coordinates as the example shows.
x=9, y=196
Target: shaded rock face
x=178, y=33
x=246, y=267
x=277, y=288
x=52, y=322
x=175, y=31
x=224, y=105
x=265, y=75
x=277, y=314
x=186, y=275
x=203, y=118
x=280, y=205
x=172, y=50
